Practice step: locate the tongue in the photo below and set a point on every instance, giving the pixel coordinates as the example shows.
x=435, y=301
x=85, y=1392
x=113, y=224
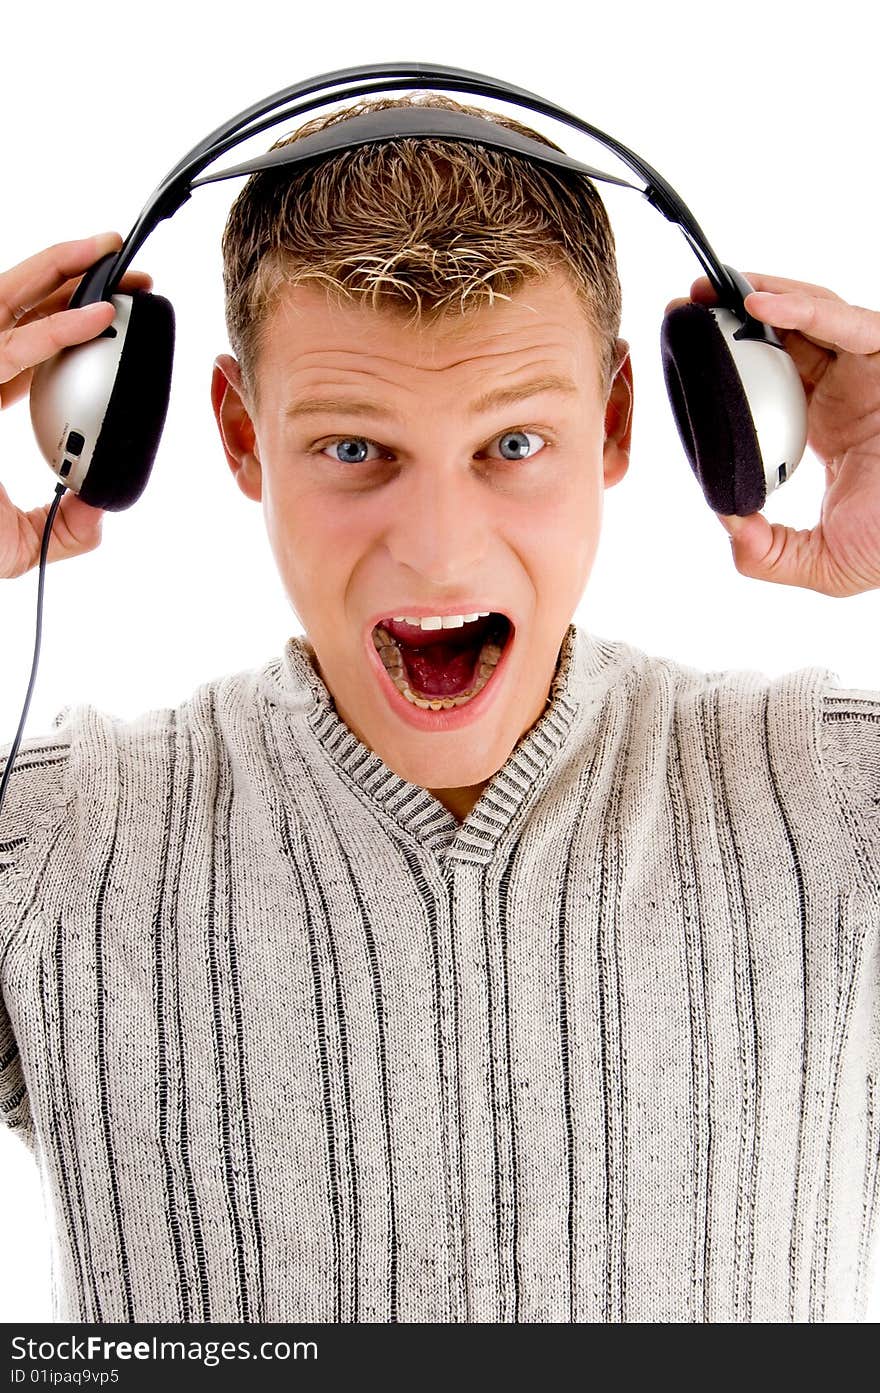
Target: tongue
x=442, y=669
x=440, y=662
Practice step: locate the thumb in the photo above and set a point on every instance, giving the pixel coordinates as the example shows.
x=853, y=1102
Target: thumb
x=77, y=528
x=82, y=520
x=764, y=550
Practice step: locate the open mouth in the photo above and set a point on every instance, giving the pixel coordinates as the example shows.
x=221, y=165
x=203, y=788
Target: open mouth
x=439, y=668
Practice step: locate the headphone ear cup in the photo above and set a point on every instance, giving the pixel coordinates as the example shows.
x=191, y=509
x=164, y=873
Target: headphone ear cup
x=712, y=411
x=135, y=415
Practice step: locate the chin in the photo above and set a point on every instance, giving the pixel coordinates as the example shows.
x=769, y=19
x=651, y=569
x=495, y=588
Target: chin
x=428, y=768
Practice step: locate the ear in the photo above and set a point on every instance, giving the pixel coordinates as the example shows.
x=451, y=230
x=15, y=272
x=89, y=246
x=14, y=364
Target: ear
x=236, y=426
x=619, y=417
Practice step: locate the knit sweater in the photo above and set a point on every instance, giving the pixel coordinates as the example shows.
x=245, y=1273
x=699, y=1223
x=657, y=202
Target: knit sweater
x=289, y=1042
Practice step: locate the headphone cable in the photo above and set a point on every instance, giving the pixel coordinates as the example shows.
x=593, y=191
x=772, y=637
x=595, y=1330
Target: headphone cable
x=61, y=489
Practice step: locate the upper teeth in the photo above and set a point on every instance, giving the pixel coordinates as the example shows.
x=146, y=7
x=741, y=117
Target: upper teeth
x=441, y=621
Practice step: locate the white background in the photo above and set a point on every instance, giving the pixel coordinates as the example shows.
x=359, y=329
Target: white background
x=762, y=116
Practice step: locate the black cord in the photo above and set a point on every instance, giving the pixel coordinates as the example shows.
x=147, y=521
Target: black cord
x=61, y=489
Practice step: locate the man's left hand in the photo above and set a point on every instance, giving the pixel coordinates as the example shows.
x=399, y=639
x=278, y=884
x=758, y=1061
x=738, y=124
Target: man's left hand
x=836, y=349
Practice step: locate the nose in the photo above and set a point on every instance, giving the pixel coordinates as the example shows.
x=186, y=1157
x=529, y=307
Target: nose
x=439, y=528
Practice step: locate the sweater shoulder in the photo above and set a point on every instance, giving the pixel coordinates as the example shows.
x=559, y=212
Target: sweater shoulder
x=57, y=777
x=814, y=688
x=806, y=725
x=850, y=748
x=819, y=736
x=739, y=690
x=213, y=705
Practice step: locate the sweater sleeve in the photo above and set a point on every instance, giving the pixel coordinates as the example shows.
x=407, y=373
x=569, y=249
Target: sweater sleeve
x=851, y=749
x=33, y=806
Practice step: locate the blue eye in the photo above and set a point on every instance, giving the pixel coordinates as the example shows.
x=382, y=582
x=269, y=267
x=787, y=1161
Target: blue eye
x=514, y=445
x=353, y=448
x=517, y=442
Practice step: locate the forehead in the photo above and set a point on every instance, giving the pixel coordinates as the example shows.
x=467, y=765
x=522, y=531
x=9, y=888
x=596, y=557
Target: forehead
x=544, y=322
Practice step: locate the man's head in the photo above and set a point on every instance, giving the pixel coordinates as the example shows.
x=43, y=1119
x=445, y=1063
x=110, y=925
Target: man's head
x=417, y=289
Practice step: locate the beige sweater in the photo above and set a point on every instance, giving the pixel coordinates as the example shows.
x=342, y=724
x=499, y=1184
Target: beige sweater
x=289, y=1043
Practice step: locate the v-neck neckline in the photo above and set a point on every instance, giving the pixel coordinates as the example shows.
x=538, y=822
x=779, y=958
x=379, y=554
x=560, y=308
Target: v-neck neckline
x=413, y=808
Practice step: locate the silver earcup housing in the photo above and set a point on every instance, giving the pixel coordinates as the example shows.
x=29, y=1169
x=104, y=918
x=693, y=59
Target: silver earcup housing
x=776, y=399
x=69, y=397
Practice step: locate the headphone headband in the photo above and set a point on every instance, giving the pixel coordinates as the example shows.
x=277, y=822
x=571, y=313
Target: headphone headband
x=394, y=123
x=102, y=280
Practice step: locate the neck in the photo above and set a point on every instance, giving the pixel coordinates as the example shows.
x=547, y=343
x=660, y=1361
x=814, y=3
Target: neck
x=459, y=801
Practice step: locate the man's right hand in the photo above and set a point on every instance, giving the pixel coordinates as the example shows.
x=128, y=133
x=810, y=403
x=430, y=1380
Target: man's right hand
x=35, y=324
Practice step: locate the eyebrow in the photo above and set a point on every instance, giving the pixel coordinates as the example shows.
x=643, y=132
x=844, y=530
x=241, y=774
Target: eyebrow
x=489, y=401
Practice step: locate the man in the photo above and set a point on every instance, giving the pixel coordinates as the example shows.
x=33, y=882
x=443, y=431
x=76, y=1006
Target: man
x=456, y=965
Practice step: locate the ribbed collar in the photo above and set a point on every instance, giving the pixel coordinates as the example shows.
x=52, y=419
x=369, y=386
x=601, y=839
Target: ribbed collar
x=299, y=690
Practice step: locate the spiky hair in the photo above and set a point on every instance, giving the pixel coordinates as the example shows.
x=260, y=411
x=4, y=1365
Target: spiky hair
x=425, y=226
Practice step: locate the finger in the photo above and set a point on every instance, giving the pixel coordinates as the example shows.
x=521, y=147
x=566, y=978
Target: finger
x=19, y=386
x=832, y=324
x=28, y=283
x=674, y=304
x=812, y=359
x=22, y=348
x=812, y=355
x=60, y=299
x=779, y=284
x=703, y=290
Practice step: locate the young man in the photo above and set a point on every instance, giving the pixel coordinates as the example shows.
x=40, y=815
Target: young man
x=457, y=965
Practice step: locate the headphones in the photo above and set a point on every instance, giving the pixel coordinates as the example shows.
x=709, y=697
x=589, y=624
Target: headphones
x=98, y=408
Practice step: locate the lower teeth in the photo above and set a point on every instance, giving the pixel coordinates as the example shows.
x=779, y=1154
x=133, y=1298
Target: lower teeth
x=393, y=660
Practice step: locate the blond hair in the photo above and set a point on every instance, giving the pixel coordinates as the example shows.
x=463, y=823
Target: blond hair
x=440, y=227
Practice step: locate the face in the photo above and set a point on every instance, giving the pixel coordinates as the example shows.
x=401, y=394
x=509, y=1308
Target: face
x=435, y=470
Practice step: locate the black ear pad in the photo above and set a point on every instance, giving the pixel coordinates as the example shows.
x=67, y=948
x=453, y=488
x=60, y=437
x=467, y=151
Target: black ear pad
x=132, y=427
x=711, y=411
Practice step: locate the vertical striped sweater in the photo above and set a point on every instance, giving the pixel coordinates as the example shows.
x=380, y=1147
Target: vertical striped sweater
x=289, y=1042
